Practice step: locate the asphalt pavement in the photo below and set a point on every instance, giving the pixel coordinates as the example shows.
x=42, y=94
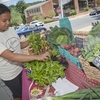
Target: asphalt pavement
x=80, y=15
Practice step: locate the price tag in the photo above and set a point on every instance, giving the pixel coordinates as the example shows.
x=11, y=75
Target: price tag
x=96, y=62
x=79, y=42
x=29, y=71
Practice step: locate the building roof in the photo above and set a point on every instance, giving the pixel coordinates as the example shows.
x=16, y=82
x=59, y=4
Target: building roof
x=36, y=5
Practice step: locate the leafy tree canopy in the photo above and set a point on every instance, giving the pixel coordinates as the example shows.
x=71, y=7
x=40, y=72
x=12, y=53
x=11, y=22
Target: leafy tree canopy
x=20, y=7
x=15, y=17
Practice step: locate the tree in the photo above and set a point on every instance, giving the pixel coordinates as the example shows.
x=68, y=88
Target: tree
x=20, y=7
x=15, y=17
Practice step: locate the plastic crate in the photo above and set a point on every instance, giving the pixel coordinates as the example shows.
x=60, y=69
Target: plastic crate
x=75, y=61
x=67, y=54
x=61, y=50
x=72, y=59
x=65, y=22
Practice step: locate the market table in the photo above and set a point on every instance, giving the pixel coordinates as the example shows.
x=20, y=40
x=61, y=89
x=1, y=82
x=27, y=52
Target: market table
x=73, y=74
x=25, y=85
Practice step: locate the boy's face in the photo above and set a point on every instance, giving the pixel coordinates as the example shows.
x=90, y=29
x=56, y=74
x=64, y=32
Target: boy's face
x=4, y=21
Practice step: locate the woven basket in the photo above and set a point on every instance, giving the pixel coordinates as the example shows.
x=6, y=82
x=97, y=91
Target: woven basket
x=90, y=71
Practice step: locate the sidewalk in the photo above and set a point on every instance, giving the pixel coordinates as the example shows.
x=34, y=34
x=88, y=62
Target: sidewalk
x=82, y=32
x=86, y=29
x=80, y=15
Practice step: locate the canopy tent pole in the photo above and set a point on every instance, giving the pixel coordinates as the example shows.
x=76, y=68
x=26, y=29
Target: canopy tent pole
x=60, y=5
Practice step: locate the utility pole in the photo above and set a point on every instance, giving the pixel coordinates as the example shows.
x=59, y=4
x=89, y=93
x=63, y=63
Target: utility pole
x=62, y=14
x=61, y=7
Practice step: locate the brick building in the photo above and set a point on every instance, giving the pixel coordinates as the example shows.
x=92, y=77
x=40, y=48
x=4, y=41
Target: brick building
x=78, y=5
x=44, y=8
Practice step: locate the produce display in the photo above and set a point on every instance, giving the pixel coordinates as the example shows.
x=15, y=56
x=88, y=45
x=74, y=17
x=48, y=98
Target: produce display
x=85, y=94
x=74, y=51
x=95, y=31
x=55, y=56
x=58, y=36
x=38, y=44
x=44, y=73
x=91, y=48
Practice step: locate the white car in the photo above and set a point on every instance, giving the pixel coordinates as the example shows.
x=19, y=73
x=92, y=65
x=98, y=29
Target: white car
x=36, y=23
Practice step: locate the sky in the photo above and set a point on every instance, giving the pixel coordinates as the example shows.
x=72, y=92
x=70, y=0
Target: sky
x=13, y=2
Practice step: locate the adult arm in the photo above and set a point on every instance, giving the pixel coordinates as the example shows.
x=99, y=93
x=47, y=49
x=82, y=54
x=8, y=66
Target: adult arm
x=15, y=57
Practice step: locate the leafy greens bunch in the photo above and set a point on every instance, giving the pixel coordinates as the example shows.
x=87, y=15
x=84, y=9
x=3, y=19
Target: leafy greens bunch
x=44, y=73
x=58, y=36
x=95, y=31
x=39, y=44
x=92, y=48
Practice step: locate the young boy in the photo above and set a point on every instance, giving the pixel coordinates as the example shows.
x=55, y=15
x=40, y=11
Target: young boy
x=11, y=56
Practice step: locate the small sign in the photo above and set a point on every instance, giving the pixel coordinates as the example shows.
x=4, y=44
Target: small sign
x=79, y=42
x=58, y=10
x=29, y=71
x=96, y=61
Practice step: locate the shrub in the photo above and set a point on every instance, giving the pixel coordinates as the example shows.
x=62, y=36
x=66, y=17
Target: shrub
x=86, y=9
x=52, y=14
x=73, y=12
x=38, y=17
x=47, y=20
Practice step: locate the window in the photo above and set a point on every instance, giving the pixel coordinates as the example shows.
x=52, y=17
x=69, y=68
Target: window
x=34, y=11
x=82, y=4
x=68, y=7
x=91, y=3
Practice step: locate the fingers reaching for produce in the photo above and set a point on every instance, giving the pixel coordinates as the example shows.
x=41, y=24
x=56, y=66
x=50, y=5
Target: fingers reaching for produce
x=44, y=56
x=47, y=54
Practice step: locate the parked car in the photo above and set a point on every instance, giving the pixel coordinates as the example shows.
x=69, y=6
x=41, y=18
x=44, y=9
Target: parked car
x=95, y=12
x=36, y=23
x=29, y=29
x=19, y=27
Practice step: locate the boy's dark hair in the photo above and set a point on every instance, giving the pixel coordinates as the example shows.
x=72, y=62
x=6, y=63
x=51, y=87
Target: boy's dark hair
x=3, y=9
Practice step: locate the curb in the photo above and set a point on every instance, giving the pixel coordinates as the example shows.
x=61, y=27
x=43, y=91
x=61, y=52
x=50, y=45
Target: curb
x=87, y=28
x=78, y=16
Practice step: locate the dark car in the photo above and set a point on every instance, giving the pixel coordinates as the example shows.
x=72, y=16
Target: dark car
x=95, y=12
x=29, y=29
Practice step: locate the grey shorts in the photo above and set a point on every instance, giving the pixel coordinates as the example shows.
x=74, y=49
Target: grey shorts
x=5, y=93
